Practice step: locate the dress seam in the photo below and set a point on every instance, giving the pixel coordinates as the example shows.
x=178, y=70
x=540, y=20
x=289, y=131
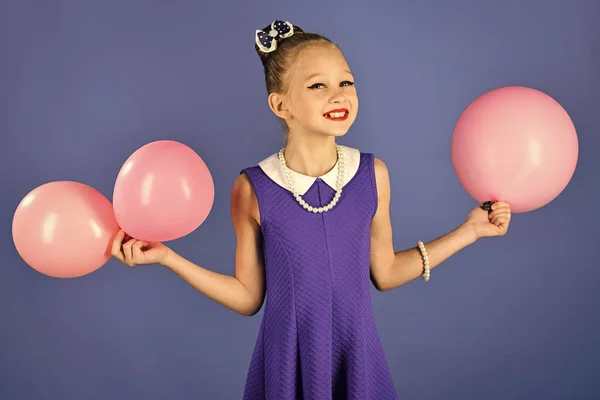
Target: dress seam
x=330, y=274
x=293, y=285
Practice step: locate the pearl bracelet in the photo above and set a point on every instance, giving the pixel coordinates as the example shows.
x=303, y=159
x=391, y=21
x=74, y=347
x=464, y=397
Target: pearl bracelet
x=427, y=272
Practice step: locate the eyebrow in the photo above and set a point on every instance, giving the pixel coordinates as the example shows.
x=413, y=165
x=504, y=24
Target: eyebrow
x=319, y=73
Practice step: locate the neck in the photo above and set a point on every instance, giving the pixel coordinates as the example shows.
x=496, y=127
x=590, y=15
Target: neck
x=311, y=155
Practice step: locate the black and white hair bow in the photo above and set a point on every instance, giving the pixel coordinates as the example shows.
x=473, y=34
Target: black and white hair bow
x=267, y=41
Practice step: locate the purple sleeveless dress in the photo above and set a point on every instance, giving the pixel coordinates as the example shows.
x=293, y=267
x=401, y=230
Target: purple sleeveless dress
x=318, y=339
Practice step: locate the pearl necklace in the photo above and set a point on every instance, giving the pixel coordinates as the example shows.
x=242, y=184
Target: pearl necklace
x=339, y=183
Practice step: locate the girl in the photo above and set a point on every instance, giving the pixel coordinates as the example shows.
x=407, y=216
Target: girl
x=313, y=231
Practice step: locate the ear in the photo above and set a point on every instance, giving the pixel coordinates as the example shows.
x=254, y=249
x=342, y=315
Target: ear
x=279, y=105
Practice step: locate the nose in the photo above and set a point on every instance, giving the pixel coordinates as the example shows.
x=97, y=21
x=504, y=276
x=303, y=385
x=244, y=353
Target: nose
x=337, y=97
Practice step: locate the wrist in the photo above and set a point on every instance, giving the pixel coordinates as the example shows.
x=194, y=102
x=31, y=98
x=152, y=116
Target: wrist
x=167, y=258
x=468, y=232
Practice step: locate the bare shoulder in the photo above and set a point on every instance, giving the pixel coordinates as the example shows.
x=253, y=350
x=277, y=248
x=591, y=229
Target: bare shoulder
x=242, y=187
x=243, y=199
x=380, y=166
x=382, y=175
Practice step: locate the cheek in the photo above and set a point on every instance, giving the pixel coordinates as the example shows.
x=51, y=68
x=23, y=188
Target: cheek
x=353, y=99
x=309, y=105
x=352, y=96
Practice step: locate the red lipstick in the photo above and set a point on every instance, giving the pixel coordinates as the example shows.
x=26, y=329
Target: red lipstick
x=339, y=110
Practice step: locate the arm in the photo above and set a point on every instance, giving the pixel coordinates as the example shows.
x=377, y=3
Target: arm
x=391, y=269
x=243, y=293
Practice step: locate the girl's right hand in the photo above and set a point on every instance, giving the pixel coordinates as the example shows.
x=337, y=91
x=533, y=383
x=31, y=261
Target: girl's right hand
x=136, y=252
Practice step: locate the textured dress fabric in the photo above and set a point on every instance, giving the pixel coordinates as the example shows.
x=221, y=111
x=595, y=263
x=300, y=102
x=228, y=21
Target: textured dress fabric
x=317, y=339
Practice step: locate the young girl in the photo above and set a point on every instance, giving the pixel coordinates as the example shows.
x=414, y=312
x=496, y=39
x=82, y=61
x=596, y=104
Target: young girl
x=313, y=231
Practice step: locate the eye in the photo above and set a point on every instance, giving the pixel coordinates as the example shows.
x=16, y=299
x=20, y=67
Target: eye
x=347, y=83
x=316, y=86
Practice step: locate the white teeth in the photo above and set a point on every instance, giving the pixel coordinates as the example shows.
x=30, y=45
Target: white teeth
x=336, y=115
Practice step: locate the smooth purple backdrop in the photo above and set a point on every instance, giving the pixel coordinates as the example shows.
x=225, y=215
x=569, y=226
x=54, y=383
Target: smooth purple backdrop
x=83, y=84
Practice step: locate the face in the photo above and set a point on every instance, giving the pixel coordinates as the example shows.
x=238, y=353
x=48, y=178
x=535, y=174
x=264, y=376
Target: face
x=321, y=97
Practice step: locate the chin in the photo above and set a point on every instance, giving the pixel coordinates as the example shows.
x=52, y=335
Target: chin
x=340, y=133
x=331, y=130
x=336, y=131
x=331, y=133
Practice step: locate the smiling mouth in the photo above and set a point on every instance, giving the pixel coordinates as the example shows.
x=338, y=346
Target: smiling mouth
x=337, y=115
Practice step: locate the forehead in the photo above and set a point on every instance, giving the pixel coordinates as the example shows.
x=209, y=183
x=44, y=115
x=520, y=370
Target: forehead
x=321, y=59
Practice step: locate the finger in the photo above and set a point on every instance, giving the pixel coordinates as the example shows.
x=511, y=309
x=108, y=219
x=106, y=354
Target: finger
x=500, y=216
x=116, y=246
x=492, y=215
x=500, y=204
x=496, y=215
x=116, y=243
x=137, y=253
x=127, y=251
x=502, y=227
x=501, y=220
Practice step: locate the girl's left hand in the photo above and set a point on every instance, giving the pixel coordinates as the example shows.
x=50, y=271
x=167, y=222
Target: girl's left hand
x=494, y=224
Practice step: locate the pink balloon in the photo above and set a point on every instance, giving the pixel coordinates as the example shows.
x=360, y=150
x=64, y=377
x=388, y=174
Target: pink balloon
x=164, y=191
x=64, y=229
x=517, y=145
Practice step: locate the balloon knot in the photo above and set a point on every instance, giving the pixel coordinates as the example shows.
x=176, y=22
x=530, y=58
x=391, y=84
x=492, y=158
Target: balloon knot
x=487, y=205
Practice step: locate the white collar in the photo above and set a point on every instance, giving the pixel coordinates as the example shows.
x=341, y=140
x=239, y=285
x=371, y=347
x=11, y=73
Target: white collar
x=272, y=168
